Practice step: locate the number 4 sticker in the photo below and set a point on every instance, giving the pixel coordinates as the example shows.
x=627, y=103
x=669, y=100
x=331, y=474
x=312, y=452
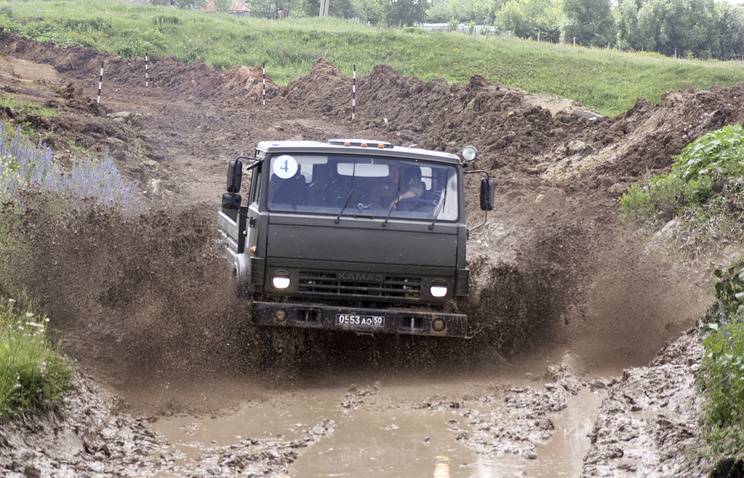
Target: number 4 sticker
x=285, y=166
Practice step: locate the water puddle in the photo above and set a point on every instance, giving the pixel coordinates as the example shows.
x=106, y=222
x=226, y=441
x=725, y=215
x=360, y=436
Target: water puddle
x=284, y=416
x=564, y=453
x=396, y=427
x=387, y=444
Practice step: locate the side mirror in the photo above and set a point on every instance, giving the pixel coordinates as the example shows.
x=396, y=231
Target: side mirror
x=487, y=194
x=234, y=175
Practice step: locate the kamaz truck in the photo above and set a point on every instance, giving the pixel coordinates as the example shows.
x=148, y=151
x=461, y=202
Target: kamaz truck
x=354, y=235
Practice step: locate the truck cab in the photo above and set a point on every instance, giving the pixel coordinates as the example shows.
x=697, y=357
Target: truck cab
x=354, y=235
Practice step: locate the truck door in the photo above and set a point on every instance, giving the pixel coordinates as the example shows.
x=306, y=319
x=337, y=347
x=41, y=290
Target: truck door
x=231, y=218
x=252, y=213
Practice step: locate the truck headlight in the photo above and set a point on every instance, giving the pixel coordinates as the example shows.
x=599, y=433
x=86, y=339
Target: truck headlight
x=280, y=282
x=438, y=290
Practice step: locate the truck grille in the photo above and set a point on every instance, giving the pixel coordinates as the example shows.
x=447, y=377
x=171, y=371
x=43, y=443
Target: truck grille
x=330, y=284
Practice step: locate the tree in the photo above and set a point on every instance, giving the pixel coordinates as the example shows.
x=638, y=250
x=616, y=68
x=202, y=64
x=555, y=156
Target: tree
x=371, y=11
x=404, y=12
x=628, y=36
x=589, y=21
x=528, y=18
x=731, y=31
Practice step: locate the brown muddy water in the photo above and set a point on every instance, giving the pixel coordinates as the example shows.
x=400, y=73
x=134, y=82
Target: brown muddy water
x=385, y=426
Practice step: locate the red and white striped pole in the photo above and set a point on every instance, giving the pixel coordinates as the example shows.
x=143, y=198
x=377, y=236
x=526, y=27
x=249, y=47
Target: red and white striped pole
x=353, y=92
x=263, y=85
x=147, y=72
x=100, y=85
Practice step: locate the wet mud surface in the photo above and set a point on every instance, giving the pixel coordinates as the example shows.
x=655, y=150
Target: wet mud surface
x=564, y=296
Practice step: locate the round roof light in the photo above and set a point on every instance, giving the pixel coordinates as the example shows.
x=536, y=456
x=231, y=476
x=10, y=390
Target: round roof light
x=469, y=153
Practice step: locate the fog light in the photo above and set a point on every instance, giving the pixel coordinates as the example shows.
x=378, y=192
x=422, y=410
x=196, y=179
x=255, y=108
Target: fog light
x=280, y=315
x=438, y=325
x=280, y=282
x=438, y=290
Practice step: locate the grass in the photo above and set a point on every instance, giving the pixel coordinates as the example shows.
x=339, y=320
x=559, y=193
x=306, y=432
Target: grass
x=33, y=374
x=606, y=81
x=26, y=108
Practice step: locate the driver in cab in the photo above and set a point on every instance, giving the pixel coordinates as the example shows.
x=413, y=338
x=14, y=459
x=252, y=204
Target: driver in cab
x=402, y=183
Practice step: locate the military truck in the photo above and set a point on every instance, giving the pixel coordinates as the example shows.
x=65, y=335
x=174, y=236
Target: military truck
x=354, y=235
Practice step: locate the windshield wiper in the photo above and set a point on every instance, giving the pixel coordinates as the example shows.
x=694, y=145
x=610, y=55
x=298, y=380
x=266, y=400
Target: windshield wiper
x=393, y=204
x=348, y=196
x=439, y=209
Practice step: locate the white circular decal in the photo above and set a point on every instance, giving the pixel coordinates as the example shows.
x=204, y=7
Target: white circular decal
x=285, y=166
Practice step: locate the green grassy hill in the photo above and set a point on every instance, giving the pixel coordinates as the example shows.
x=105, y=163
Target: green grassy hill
x=604, y=80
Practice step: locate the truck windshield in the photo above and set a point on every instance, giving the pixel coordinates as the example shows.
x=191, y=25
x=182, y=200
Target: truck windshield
x=363, y=187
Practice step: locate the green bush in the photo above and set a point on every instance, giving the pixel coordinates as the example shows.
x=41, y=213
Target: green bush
x=722, y=373
x=708, y=168
x=718, y=154
x=33, y=374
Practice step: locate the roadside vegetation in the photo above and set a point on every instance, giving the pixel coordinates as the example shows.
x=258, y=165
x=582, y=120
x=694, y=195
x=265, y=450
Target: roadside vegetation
x=703, y=193
x=33, y=373
x=16, y=107
x=607, y=81
x=722, y=373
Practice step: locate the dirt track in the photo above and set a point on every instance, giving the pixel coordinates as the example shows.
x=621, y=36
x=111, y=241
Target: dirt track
x=356, y=406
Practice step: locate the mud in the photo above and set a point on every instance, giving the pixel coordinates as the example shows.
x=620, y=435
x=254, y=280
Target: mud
x=564, y=297
x=86, y=436
x=647, y=426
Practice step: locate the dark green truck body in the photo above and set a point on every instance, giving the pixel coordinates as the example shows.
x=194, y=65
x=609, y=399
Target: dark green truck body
x=356, y=269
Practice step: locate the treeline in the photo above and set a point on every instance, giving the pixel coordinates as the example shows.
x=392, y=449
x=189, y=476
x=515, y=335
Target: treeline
x=686, y=28
x=689, y=28
x=374, y=12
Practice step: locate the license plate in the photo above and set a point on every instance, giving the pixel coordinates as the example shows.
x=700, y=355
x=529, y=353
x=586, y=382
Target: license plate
x=360, y=321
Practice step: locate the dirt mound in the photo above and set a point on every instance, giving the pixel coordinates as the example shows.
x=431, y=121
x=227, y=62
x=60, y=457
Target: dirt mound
x=508, y=130
x=321, y=90
x=245, y=80
x=191, y=80
x=644, y=140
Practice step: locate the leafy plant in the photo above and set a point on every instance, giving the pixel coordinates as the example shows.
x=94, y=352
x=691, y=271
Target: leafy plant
x=722, y=372
x=33, y=374
x=730, y=291
x=706, y=178
x=718, y=154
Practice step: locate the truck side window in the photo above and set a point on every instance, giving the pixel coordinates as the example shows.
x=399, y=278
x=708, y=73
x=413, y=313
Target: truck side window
x=255, y=185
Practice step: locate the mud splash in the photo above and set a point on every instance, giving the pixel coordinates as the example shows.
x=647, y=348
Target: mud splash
x=131, y=296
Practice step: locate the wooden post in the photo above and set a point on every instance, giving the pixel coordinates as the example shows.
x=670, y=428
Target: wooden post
x=100, y=85
x=353, y=93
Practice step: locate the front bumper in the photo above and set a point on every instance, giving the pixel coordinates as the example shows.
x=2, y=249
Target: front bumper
x=396, y=320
